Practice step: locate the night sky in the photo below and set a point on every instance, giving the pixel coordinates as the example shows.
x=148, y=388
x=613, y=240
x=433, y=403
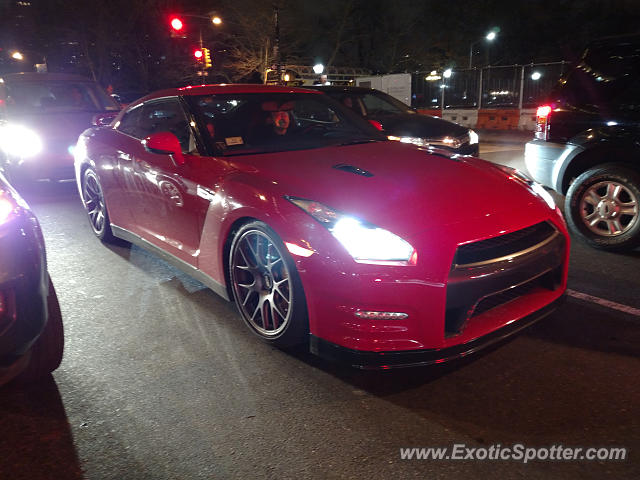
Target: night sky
x=129, y=43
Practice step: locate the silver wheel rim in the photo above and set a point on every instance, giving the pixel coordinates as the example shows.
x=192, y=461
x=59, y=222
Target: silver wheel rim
x=94, y=202
x=261, y=283
x=609, y=209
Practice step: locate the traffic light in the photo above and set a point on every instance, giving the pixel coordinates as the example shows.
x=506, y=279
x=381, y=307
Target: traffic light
x=176, y=24
x=197, y=53
x=207, y=57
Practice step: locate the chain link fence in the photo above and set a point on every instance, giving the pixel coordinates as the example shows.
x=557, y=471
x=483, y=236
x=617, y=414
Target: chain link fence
x=510, y=86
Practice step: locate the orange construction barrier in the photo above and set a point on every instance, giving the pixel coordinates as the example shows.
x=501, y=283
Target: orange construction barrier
x=498, y=119
x=434, y=112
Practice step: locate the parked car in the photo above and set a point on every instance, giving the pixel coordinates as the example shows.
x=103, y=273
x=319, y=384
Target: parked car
x=41, y=117
x=402, y=122
x=321, y=230
x=31, y=332
x=587, y=144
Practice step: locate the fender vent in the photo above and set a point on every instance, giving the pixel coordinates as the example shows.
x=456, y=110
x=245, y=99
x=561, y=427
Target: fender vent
x=351, y=169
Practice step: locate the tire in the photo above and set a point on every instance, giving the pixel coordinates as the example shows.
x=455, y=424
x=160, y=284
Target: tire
x=46, y=352
x=266, y=286
x=602, y=207
x=94, y=204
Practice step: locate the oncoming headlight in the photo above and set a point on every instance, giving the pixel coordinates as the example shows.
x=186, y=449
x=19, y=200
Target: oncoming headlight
x=19, y=141
x=366, y=243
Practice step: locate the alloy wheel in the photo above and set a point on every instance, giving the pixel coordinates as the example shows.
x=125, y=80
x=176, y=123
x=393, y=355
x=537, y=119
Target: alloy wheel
x=94, y=202
x=262, y=283
x=609, y=208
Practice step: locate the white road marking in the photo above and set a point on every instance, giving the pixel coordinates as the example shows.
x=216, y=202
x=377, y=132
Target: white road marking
x=604, y=303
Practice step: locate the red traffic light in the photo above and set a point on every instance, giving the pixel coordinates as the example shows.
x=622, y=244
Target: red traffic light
x=198, y=54
x=176, y=24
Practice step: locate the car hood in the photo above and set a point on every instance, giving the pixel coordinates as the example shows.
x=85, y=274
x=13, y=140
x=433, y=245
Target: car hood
x=417, y=125
x=56, y=126
x=409, y=189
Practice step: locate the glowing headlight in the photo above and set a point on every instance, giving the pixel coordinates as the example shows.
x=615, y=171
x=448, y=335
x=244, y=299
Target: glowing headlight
x=473, y=137
x=19, y=141
x=534, y=186
x=366, y=243
x=450, y=142
x=421, y=142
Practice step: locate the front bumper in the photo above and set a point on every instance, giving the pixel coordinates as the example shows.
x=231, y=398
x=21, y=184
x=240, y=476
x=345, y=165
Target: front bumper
x=547, y=161
x=446, y=301
x=424, y=357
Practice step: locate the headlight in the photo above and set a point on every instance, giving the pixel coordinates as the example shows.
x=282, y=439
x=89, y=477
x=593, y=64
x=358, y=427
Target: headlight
x=526, y=180
x=449, y=142
x=473, y=137
x=19, y=141
x=366, y=243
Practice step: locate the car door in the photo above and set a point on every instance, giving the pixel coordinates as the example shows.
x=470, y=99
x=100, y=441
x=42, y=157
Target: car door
x=166, y=198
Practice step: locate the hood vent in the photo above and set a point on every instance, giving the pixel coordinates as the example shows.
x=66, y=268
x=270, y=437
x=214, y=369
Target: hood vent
x=352, y=169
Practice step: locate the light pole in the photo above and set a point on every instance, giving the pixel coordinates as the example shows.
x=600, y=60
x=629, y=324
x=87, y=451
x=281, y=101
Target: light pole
x=446, y=74
x=491, y=36
x=318, y=69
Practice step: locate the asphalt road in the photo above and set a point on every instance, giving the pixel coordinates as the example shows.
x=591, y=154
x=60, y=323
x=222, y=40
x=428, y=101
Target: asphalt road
x=160, y=380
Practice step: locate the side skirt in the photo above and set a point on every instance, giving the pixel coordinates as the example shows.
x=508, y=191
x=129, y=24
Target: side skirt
x=214, y=285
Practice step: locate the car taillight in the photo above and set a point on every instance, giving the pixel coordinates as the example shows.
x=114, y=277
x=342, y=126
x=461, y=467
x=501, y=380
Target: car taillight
x=542, y=122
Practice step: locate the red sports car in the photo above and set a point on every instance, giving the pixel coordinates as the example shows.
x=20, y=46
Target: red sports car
x=373, y=252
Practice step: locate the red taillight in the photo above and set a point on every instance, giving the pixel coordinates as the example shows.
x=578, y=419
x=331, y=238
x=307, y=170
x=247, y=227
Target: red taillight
x=543, y=111
x=376, y=124
x=542, y=122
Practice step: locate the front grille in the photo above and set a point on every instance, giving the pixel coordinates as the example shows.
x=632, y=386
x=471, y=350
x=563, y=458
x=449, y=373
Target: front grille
x=549, y=281
x=503, y=245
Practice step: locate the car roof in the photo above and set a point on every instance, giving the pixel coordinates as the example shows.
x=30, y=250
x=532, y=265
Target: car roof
x=341, y=89
x=34, y=77
x=222, y=88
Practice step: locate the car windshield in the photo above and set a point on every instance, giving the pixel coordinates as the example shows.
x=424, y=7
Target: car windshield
x=57, y=97
x=270, y=122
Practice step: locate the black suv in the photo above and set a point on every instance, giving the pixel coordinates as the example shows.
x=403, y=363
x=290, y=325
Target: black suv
x=587, y=144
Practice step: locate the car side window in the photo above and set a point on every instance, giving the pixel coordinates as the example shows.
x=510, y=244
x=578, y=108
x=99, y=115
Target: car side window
x=130, y=121
x=167, y=115
x=378, y=106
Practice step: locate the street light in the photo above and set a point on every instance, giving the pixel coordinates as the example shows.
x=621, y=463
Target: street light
x=17, y=56
x=216, y=20
x=318, y=68
x=491, y=36
x=446, y=74
x=536, y=76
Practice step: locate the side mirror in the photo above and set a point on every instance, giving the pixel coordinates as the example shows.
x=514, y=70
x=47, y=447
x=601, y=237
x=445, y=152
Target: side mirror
x=104, y=119
x=165, y=143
